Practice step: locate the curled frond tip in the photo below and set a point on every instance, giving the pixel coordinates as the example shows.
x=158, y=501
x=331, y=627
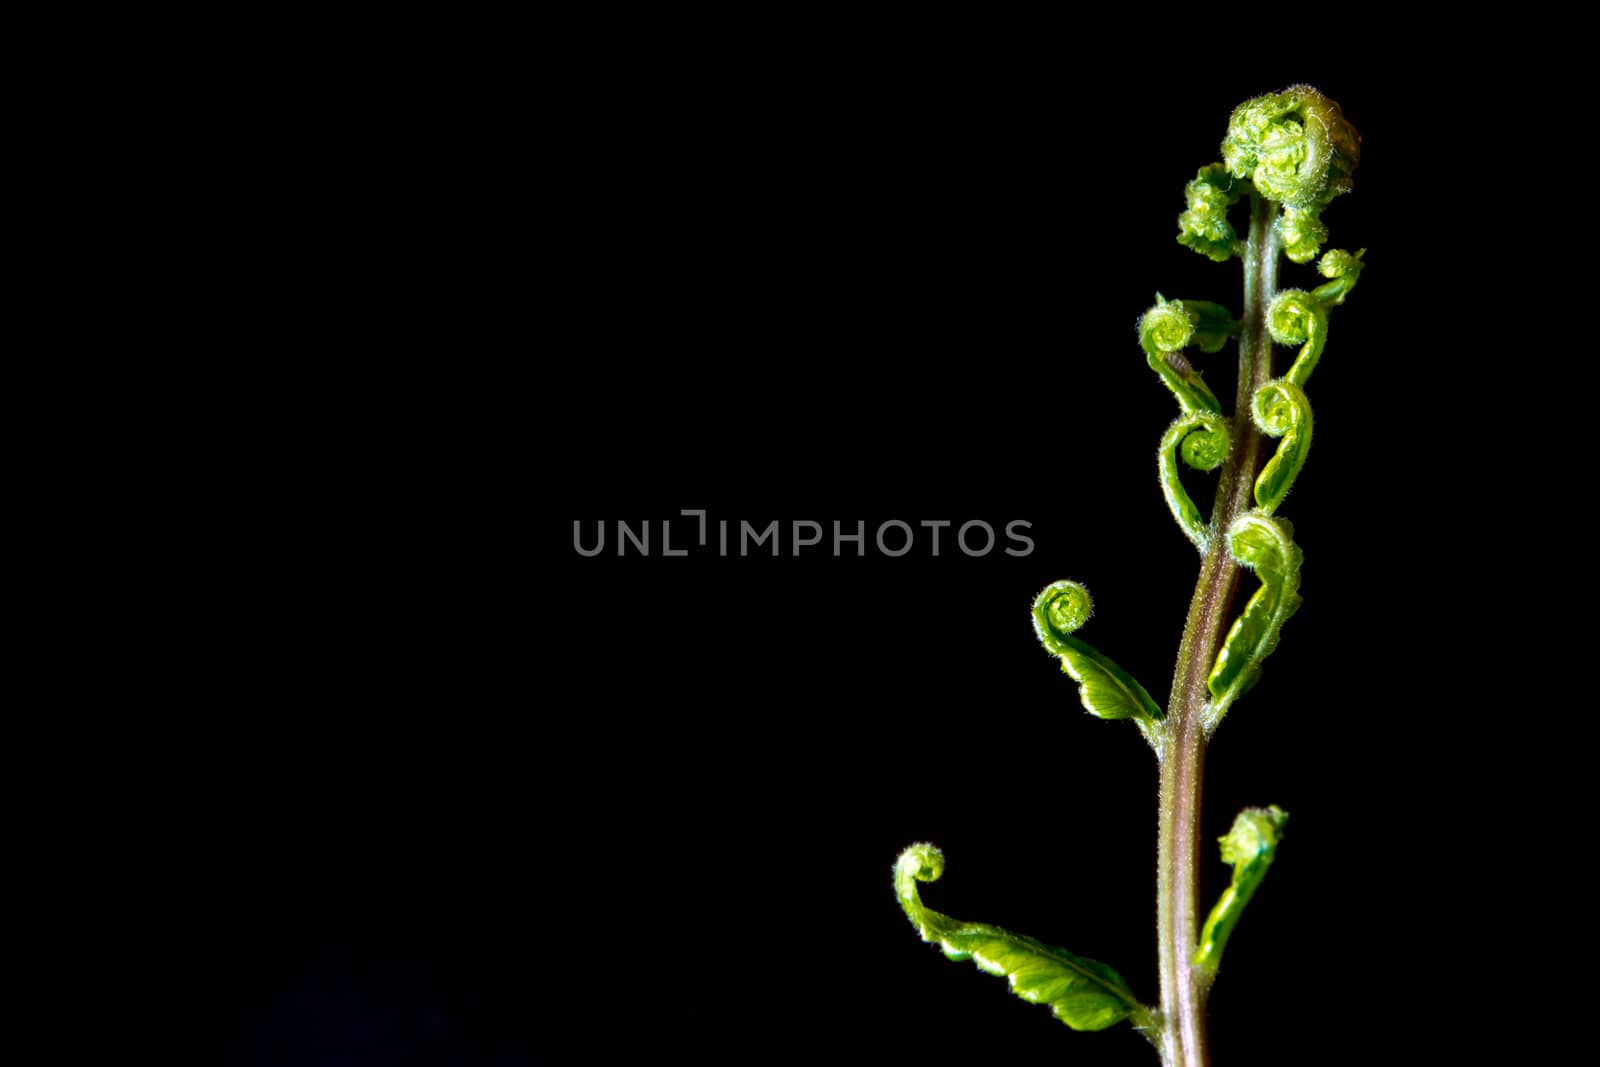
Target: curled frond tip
x=1296, y=146
x=1060, y=609
x=1299, y=150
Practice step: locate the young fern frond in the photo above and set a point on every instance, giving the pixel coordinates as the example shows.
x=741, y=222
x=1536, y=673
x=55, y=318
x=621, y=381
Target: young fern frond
x=1202, y=434
x=1167, y=329
x=1266, y=546
x=1082, y=993
x=1344, y=269
x=1297, y=317
x=1105, y=689
x=1289, y=155
x=1202, y=439
x=1280, y=409
x=1249, y=848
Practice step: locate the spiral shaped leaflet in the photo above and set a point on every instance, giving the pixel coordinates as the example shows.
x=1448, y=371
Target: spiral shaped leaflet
x=1202, y=441
x=1296, y=317
x=1104, y=689
x=1083, y=993
x=1281, y=410
x=1266, y=546
x=1344, y=269
x=1173, y=325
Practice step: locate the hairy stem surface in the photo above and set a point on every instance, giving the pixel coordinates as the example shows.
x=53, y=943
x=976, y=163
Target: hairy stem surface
x=1183, y=987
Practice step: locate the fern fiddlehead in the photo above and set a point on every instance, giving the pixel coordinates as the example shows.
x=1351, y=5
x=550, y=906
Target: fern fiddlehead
x=1169, y=328
x=1249, y=848
x=1290, y=154
x=1105, y=689
x=1201, y=439
x=1280, y=409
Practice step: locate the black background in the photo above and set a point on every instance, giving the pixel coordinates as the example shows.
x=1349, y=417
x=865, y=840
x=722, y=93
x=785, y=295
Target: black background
x=472, y=798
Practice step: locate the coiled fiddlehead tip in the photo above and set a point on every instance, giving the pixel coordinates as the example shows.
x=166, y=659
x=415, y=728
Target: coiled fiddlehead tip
x=1061, y=608
x=1104, y=689
x=1266, y=546
x=1201, y=440
x=1276, y=406
x=1281, y=409
x=921, y=862
x=1206, y=445
x=1343, y=271
x=1296, y=146
x=1173, y=325
x=1166, y=327
x=1296, y=317
x=1338, y=263
x=1292, y=316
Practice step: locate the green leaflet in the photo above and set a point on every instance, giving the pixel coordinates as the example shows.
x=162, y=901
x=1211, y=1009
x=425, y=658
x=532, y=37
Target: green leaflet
x=1296, y=317
x=1266, y=546
x=1170, y=327
x=1344, y=270
x=1281, y=410
x=1249, y=849
x=1082, y=993
x=1104, y=688
x=1202, y=440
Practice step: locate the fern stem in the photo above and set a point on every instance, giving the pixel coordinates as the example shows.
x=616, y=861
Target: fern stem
x=1184, y=987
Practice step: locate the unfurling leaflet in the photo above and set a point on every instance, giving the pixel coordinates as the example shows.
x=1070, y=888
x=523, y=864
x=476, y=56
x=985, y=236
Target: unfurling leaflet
x=1298, y=317
x=1201, y=433
x=1082, y=993
x=1249, y=849
x=1295, y=317
x=1344, y=270
x=1104, y=688
x=1281, y=410
x=1201, y=439
x=1170, y=327
x=1264, y=545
